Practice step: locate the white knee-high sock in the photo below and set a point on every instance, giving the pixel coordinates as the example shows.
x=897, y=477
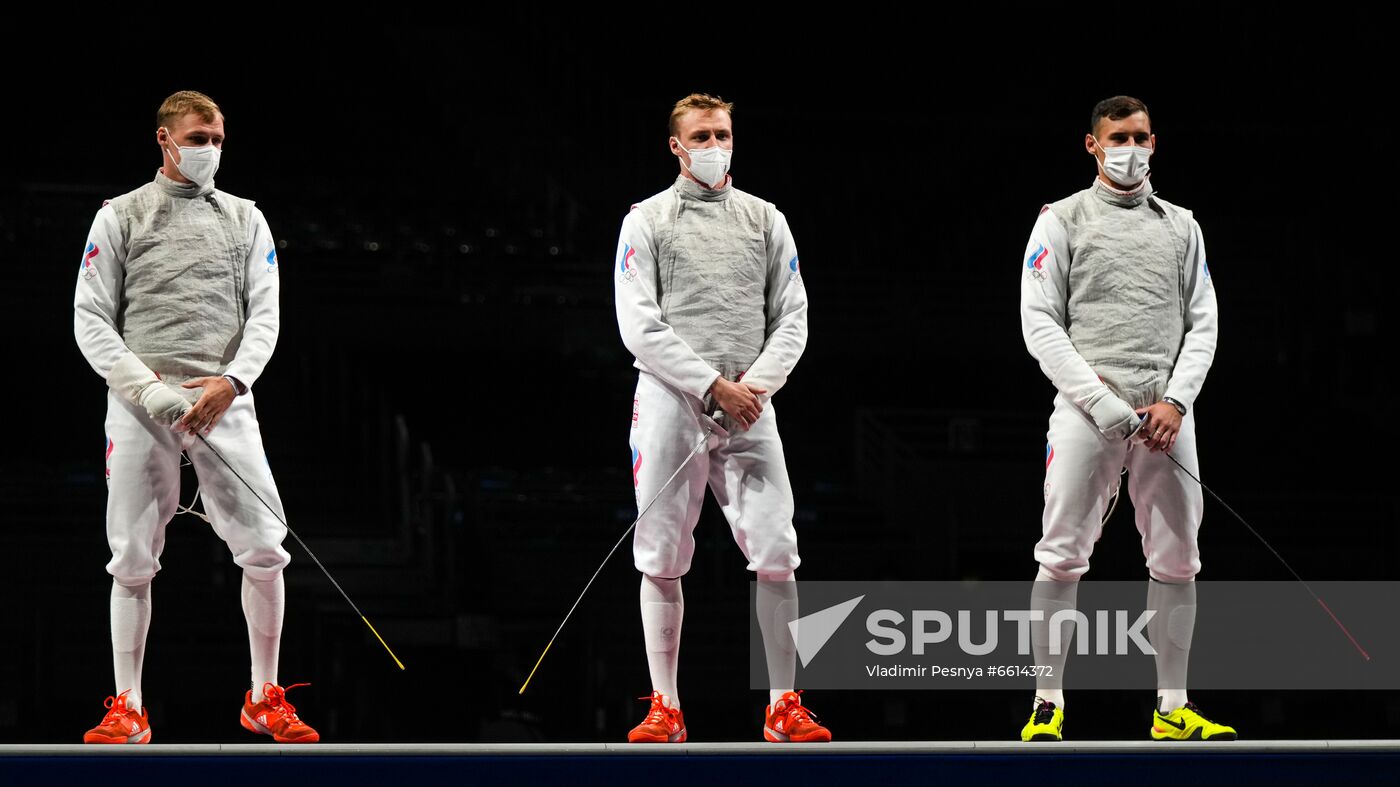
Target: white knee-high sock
x=1170, y=632
x=775, y=603
x=264, y=601
x=663, y=608
x=131, y=619
x=1050, y=596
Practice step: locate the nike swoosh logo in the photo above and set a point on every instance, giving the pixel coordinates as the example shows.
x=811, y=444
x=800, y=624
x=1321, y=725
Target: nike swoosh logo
x=1179, y=725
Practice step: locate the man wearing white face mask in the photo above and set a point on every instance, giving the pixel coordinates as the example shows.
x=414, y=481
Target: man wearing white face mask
x=710, y=301
x=176, y=307
x=1118, y=307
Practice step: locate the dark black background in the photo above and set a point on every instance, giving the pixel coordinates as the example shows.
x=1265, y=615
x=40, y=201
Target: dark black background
x=448, y=406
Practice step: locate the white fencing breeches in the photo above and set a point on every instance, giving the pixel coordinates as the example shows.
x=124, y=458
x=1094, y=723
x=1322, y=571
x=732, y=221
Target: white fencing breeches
x=1082, y=471
x=746, y=471
x=143, y=490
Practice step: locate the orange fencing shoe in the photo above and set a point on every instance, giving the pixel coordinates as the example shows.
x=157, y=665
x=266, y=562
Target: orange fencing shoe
x=276, y=717
x=121, y=724
x=789, y=722
x=662, y=724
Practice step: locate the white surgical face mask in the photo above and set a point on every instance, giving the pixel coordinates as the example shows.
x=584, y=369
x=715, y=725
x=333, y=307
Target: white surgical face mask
x=197, y=164
x=1125, y=165
x=708, y=165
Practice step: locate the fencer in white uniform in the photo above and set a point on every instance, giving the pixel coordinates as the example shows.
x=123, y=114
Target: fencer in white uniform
x=176, y=307
x=710, y=301
x=1118, y=307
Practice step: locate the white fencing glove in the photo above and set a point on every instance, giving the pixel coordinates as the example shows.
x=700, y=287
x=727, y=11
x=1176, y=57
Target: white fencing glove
x=1114, y=417
x=139, y=385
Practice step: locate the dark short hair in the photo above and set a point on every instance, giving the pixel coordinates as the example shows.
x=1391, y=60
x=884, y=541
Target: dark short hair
x=1116, y=108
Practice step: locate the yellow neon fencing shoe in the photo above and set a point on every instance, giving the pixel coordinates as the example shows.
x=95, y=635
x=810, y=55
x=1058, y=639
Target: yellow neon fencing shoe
x=1046, y=723
x=1187, y=724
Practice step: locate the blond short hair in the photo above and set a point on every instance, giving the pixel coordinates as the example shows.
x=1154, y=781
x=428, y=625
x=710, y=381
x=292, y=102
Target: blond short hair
x=183, y=103
x=702, y=102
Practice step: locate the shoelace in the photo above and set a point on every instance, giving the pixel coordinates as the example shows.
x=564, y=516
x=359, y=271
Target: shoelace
x=658, y=713
x=794, y=710
x=1045, y=713
x=116, y=706
x=1191, y=706
x=276, y=697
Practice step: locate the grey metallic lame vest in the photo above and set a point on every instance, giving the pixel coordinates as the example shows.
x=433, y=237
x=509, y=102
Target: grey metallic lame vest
x=182, y=308
x=1127, y=287
x=712, y=270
